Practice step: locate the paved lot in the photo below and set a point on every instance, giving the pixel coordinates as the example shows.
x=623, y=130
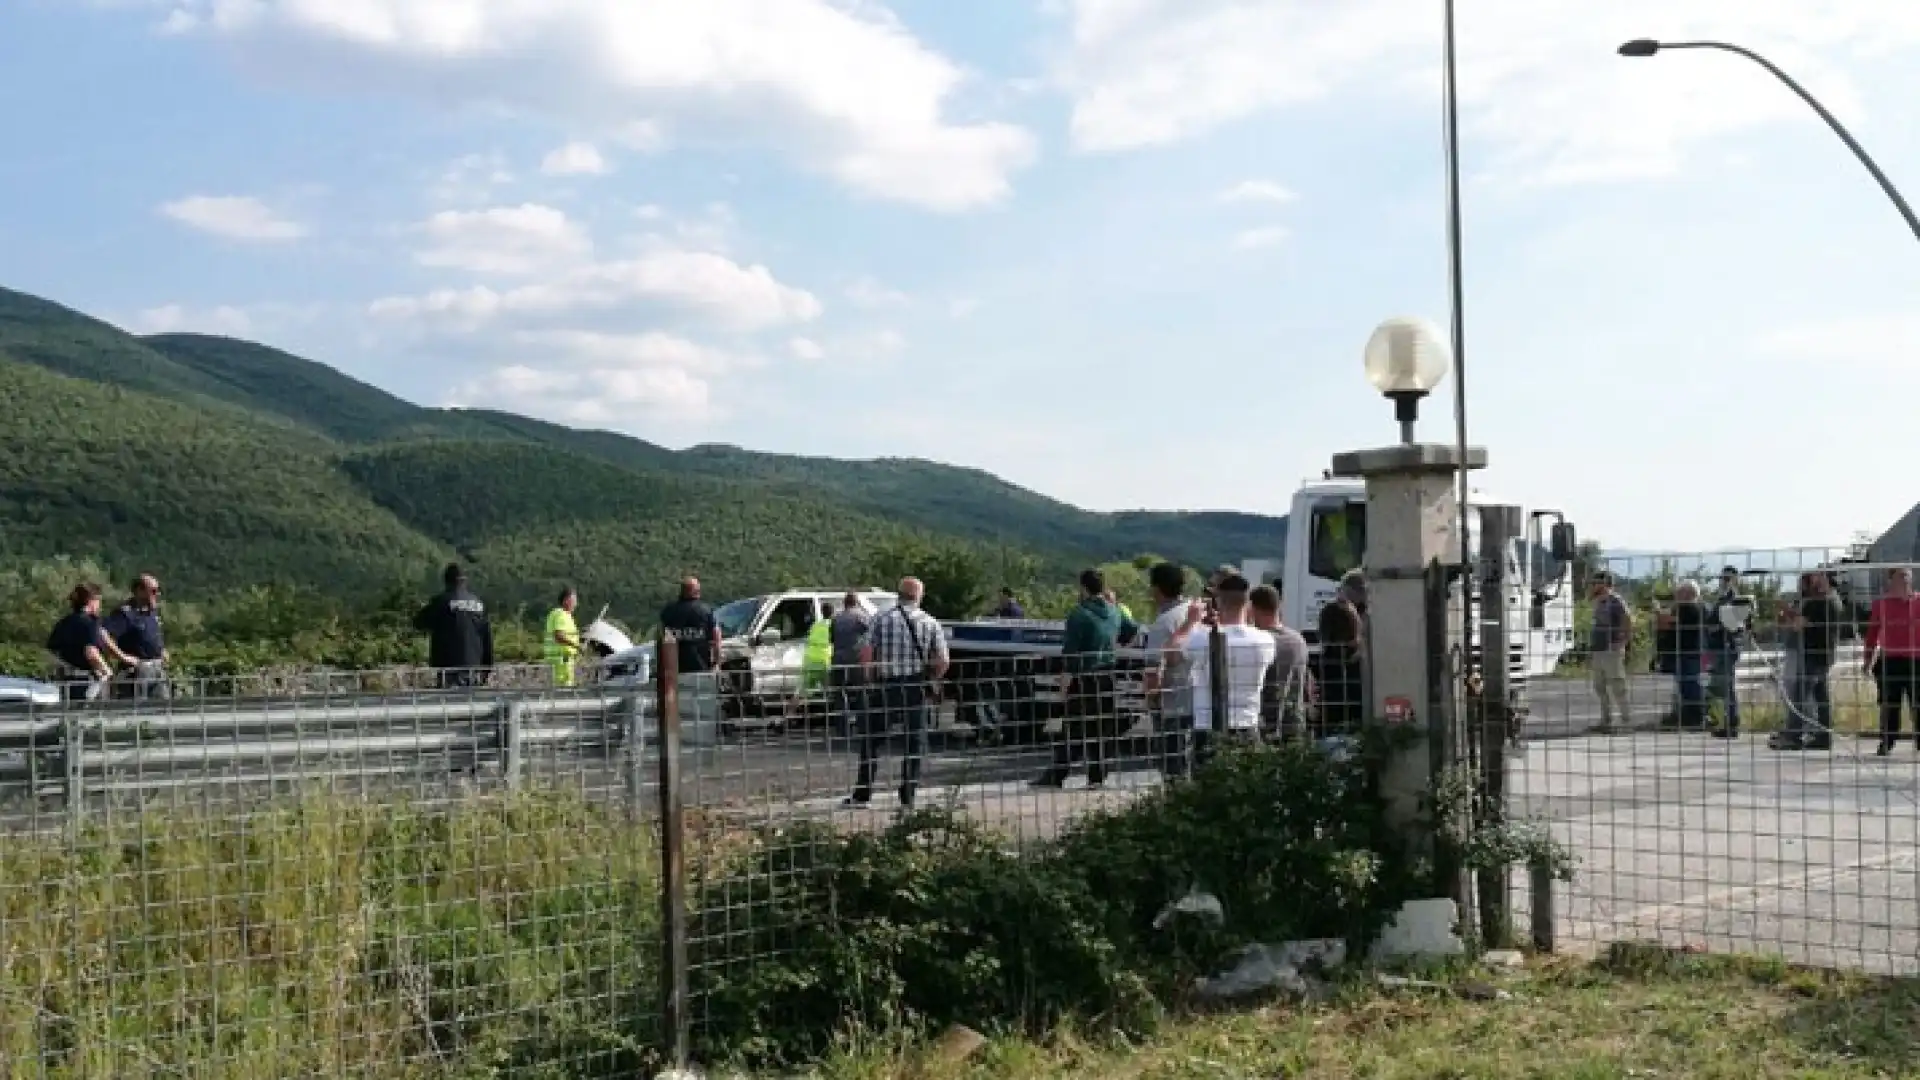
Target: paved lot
x=1728, y=845
x=1682, y=839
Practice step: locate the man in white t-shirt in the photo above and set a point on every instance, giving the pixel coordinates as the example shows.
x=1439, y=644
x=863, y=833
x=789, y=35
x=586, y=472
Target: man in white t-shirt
x=1167, y=682
x=1250, y=652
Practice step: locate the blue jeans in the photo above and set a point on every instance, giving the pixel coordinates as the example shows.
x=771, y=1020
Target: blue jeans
x=1693, y=697
x=1812, y=701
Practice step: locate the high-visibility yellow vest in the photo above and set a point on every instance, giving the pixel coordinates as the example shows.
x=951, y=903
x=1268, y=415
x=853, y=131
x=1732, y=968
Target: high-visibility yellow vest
x=560, y=657
x=819, y=655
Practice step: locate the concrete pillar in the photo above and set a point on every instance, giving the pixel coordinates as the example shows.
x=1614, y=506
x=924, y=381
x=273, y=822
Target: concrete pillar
x=1412, y=530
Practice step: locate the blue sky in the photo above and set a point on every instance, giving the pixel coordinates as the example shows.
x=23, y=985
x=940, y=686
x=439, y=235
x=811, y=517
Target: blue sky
x=1125, y=252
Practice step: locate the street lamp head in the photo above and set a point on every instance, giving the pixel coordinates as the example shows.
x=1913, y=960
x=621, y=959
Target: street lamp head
x=1406, y=358
x=1640, y=47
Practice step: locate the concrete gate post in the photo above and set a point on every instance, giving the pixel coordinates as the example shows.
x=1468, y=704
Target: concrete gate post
x=1412, y=542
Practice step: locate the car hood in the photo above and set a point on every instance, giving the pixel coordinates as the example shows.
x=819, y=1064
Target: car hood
x=18, y=691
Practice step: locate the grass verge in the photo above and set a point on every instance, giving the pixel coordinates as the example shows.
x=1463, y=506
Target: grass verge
x=1638, y=1012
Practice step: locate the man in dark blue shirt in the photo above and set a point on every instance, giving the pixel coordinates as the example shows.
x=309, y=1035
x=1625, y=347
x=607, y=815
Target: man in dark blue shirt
x=1009, y=606
x=135, y=627
x=689, y=622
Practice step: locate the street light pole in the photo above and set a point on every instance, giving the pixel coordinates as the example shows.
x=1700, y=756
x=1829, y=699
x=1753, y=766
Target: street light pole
x=1458, y=319
x=1647, y=47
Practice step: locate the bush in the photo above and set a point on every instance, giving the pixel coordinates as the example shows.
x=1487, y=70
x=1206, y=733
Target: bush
x=1294, y=844
x=933, y=922
x=927, y=923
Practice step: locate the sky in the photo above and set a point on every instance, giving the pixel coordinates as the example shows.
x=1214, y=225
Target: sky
x=1124, y=252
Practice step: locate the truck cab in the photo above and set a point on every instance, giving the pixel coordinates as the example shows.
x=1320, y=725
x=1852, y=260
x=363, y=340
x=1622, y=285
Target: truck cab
x=1327, y=537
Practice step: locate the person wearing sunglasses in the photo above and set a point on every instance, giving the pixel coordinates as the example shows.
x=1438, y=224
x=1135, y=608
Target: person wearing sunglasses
x=135, y=627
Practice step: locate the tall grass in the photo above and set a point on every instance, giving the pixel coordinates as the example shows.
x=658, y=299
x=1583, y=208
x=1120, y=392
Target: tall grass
x=328, y=937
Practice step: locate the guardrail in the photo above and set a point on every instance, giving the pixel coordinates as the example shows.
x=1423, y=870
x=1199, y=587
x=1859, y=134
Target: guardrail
x=74, y=754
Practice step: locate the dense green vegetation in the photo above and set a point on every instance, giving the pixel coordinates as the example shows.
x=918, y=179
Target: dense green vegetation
x=211, y=499
x=228, y=467
x=518, y=935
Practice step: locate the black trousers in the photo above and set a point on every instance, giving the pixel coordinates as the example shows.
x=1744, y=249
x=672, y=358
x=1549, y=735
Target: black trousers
x=1899, y=681
x=901, y=701
x=1089, y=730
x=847, y=699
x=1342, y=712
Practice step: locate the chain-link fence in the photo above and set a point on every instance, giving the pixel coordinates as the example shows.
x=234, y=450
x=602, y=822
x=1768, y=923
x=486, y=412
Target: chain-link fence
x=399, y=879
x=1711, y=750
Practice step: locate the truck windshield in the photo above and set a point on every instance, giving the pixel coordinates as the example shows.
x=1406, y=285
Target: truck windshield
x=736, y=619
x=1339, y=539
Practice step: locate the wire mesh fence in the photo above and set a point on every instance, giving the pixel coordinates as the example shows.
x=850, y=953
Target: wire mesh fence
x=407, y=883
x=397, y=879
x=1711, y=751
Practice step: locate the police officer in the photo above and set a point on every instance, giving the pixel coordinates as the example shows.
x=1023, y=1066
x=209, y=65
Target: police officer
x=135, y=627
x=459, y=636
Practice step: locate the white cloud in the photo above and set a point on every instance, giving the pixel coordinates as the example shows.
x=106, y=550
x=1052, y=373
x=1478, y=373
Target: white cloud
x=712, y=287
x=962, y=306
x=842, y=88
x=520, y=239
x=471, y=179
x=868, y=293
x=605, y=378
x=643, y=136
x=235, y=217
x=1265, y=237
x=806, y=349
x=223, y=320
x=1541, y=86
x=1257, y=191
x=575, y=159
x=593, y=396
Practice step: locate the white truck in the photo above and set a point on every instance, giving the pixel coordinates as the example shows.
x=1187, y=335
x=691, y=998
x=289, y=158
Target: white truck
x=1327, y=536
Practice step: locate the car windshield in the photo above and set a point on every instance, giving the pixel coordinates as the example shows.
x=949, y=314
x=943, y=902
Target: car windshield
x=736, y=619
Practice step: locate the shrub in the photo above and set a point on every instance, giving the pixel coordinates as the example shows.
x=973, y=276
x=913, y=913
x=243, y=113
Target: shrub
x=933, y=922
x=928, y=922
x=1293, y=843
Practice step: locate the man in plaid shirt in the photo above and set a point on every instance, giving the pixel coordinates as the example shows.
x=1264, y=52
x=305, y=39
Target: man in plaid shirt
x=904, y=652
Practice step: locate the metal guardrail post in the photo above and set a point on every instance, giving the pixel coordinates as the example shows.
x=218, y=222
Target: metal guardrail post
x=636, y=753
x=673, y=859
x=512, y=719
x=72, y=746
x=1499, y=527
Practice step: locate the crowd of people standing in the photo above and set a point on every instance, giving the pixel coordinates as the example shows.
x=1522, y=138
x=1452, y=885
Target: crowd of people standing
x=1700, y=638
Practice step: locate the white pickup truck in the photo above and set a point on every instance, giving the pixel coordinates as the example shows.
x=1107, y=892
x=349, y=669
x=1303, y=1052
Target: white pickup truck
x=763, y=643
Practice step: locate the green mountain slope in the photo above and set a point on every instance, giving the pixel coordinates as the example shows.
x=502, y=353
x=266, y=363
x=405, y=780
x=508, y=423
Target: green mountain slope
x=326, y=412
x=976, y=504
x=534, y=518
x=61, y=340
x=208, y=497
x=270, y=381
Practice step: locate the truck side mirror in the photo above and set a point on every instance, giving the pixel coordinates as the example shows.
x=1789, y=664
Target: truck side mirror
x=1565, y=542
x=768, y=637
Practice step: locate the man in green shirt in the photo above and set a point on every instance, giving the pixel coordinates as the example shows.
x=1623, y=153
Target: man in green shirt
x=1093, y=628
x=560, y=643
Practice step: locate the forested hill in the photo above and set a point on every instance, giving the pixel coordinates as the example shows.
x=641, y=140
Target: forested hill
x=230, y=463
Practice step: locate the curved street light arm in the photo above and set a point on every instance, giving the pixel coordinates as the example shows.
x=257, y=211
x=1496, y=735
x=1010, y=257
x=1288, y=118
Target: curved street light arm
x=1833, y=122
